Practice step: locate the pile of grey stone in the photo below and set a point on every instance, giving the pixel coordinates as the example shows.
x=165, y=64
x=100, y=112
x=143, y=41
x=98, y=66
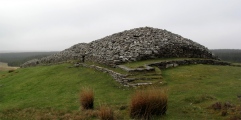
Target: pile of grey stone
x=130, y=45
x=73, y=53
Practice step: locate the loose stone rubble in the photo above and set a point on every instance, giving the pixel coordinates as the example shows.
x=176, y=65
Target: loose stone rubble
x=130, y=45
x=73, y=53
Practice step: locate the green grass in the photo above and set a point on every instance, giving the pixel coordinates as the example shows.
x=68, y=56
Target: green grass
x=55, y=89
x=192, y=89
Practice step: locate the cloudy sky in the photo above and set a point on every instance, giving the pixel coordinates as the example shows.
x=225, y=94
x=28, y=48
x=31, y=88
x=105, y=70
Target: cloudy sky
x=54, y=25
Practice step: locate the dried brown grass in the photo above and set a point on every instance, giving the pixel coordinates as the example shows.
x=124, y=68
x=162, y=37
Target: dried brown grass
x=146, y=103
x=87, y=98
x=106, y=113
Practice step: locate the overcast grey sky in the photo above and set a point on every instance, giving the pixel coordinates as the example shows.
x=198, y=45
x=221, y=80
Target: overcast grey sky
x=54, y=25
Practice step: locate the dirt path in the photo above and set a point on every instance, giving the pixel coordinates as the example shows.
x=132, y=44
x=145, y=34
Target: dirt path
x=8, y=68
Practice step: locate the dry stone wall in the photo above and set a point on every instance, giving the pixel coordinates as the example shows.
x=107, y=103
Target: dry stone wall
x=117, y=76
x=175, y=63
x=130, y=45
x=125, y=80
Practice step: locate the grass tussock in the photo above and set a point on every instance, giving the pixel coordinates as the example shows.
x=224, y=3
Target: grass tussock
x=228, y=110
x=10, y=71
x=146, y=103
x=106, y=113
x=87, y=98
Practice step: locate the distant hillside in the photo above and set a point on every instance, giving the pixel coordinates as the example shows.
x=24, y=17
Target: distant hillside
x=15, y=59
x=231, y=55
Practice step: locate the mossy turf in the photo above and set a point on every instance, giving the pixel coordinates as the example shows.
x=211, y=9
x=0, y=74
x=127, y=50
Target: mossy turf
x=191, y=91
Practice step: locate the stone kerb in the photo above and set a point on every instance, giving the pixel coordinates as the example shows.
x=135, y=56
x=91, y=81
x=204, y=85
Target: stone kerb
x=172, y=63
x=121, y=78
x=175, y=63
x=145, y=68
x=124, y=80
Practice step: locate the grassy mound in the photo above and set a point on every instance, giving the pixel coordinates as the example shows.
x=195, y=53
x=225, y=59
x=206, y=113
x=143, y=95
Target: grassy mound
x=52, y=92
x=56, y=87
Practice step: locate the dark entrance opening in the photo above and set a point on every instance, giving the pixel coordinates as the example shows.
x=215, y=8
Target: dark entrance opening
x=83, y=58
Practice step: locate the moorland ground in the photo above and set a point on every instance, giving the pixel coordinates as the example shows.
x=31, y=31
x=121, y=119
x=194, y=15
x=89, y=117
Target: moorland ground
x=52, y=92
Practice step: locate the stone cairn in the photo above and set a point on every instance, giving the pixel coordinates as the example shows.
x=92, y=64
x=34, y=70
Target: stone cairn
x=130, y=45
